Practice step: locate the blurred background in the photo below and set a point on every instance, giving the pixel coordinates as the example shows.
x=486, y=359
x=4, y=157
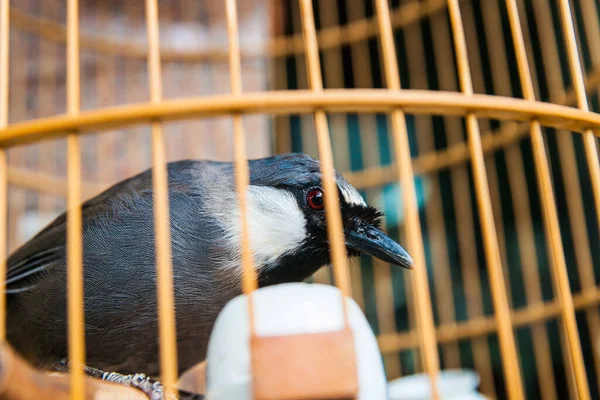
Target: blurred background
x=194, y=63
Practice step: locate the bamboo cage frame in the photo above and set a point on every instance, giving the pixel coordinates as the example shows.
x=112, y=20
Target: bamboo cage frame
x=370, y=177
x=76, y=333
x=277, y=47
x=425, y=323
x=317, y=101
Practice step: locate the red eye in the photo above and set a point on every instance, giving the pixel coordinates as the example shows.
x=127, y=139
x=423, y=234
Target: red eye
x=314, y=199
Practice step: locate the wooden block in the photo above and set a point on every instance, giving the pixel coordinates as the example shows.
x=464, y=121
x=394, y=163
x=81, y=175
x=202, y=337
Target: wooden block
x=194, y=379
x=304, y=367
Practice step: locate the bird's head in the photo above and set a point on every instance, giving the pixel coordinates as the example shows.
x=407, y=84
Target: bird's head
x=287, y=226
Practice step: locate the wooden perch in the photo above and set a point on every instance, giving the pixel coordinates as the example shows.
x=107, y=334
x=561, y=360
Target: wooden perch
x=20, y=381
x=194, y=379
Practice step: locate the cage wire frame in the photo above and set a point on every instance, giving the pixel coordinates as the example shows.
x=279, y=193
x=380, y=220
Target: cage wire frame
x=375, y=176
x=317, y=101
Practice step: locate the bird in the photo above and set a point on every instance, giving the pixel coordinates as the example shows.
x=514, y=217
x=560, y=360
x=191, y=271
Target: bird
x=288, y=237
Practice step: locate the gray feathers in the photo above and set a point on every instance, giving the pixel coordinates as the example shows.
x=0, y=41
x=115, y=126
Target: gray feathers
x=119, y=261
x=119, y=276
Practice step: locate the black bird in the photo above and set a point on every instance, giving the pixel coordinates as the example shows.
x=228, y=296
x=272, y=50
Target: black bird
x=288, y=237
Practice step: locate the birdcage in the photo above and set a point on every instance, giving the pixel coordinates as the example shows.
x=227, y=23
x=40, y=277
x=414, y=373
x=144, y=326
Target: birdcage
x=472, y=124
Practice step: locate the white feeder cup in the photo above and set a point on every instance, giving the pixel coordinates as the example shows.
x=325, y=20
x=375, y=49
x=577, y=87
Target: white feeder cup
x=294, y=323
x=452, y=384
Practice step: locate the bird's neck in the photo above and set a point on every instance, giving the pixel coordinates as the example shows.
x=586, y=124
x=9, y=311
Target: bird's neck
x=292, y=268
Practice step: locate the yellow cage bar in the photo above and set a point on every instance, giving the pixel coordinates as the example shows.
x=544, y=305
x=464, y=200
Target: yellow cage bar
x=74, y=229
x=443, y=103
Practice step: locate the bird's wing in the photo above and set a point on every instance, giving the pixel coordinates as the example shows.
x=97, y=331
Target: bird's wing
x=19, y=277
x=48, y=248
x=45, y=250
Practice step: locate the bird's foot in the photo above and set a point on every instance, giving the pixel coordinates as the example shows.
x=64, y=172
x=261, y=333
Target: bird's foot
x=151, y=388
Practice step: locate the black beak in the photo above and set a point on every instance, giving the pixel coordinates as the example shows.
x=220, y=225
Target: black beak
x=369, y=240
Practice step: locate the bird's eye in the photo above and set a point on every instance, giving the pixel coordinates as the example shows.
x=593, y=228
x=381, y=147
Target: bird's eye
x=314, y=199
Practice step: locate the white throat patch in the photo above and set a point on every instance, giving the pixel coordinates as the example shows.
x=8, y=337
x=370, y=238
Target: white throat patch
x=276, y=224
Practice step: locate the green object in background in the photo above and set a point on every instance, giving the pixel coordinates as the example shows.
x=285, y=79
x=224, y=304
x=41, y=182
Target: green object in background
x=389, y=198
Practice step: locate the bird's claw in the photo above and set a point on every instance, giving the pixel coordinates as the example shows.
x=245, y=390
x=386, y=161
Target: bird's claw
x=150, y=387
x=153, y=389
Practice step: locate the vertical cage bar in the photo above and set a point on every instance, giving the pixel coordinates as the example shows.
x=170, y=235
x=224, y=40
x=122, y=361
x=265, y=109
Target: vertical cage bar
x=282, y=131
x=511, y=365
x=591, y=150
x=581, y=239
x=434, y=213
x=425, y=324
x=382, y=274
x=46, y=156
x=134, y=90
x=193, y=75
x=332, y=202
x=494, y=38
x=589, y=11
x=416, y=356
x=464, y=207
x=558, y=265
x=241, y=163
x=18, y=113
x=444, y=76
x=309, y=139
x=106, y=93
x=76, y=328
x=164, y=268
x=520, y=201
x=278, y=79
x=4, y=65
x=463, y=210
x=591, y=24
x=334, y=79
x=529, y=264
x=223, y=144
x=306, y=131
x=556, y=86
